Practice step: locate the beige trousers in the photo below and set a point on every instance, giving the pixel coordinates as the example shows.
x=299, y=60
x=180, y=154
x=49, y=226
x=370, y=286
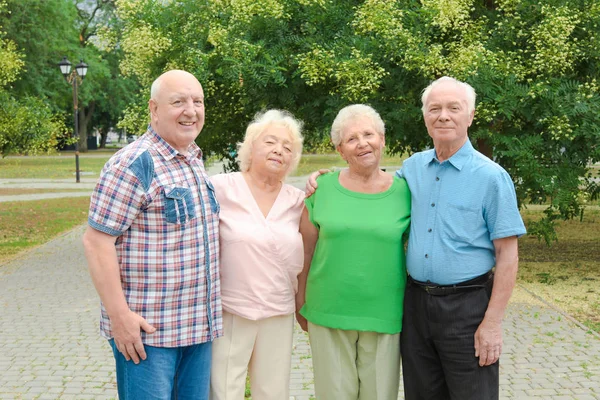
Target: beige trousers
x=263, y=348
x=354, y=365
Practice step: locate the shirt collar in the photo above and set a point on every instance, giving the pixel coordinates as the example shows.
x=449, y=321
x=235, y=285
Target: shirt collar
x=458, y=159
x=168, y=151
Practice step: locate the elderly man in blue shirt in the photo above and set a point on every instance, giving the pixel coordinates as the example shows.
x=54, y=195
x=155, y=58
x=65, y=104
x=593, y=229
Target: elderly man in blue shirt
x=464, y=222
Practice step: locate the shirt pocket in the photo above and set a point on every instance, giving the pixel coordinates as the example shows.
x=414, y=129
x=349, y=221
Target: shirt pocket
x=212, y=198
x=462, y=222
x=179, y=204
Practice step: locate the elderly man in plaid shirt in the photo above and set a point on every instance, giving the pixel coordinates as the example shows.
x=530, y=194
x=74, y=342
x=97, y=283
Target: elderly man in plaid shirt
x=152, y=248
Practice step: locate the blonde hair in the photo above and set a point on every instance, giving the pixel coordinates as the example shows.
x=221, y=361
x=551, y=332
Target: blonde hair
x=259, y=124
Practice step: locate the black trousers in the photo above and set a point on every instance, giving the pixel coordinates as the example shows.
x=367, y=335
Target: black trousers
x=438, y=346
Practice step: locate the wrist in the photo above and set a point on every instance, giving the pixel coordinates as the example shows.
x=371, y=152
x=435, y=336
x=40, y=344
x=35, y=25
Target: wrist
x=118, y=312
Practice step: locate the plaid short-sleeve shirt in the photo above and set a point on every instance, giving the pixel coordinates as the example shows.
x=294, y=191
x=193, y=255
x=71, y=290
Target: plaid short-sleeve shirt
x=162, y=208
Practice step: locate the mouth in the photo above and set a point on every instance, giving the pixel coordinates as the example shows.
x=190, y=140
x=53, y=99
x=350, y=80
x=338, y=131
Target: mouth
x=364, y=153
x=278, y=161
x=186, y=123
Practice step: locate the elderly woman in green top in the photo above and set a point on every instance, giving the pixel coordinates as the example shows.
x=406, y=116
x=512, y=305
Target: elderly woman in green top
x=351, y=290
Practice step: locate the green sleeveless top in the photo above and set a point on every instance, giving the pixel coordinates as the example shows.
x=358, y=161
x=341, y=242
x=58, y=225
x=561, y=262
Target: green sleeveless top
x=358, y=272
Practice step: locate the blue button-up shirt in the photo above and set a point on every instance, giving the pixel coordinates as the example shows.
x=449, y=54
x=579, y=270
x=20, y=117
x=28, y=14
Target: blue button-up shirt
x=459, y=206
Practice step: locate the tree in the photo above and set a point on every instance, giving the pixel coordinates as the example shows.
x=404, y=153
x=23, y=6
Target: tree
x=27, y=125
x=535, y=67
x=104, y=100
x=44, y=32
x=533, y=64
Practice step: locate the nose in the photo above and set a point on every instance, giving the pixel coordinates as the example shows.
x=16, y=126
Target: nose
x=362, y=141
x=189, y=107
x=278, y=148
x=444, y=115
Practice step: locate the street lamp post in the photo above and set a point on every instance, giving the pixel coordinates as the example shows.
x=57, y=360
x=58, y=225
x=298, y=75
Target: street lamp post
x=75, y=78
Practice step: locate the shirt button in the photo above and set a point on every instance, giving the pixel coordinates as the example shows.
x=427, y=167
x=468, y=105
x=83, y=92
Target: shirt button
x=429, y=230
x=432, y=204
x=437, y=178
x=426, y=255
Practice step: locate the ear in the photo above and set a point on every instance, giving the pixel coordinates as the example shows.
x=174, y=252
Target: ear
x=471, y=117
x=338, y=148
x=152, y=106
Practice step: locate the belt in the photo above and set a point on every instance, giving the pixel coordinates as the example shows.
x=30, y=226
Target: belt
x=433, y=289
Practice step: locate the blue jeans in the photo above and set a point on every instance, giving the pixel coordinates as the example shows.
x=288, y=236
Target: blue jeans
x=167, y=373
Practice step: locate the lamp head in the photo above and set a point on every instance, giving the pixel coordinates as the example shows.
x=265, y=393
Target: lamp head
x=81, y=69
x=65, y=66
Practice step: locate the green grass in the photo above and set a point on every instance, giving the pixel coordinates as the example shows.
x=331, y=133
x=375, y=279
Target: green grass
x=24, y=225
x=13, y=191
x=568, y=273
x=52, y=167
x=63, y=167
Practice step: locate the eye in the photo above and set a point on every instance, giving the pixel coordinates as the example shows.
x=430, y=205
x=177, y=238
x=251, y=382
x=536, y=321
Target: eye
x=288, y=149
x=177, y=102
x=198, y=102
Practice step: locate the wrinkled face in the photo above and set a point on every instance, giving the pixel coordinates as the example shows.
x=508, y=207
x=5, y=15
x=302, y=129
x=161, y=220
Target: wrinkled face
x=361, y=145
x=178, y=109
x=272, y=151
x=447, y=116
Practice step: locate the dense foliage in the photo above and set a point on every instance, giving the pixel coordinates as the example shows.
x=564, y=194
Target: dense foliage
x=535, y=66
x=42, y=32
x=26, y=123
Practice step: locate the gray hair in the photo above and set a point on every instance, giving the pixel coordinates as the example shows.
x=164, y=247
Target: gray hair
x=351, y=112
x=259, y=124
x=471, y=96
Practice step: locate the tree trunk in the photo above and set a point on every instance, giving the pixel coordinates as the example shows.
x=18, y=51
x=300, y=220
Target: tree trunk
x=103, y=136
x=85, y=116
x=490, y=4
x=484, y=147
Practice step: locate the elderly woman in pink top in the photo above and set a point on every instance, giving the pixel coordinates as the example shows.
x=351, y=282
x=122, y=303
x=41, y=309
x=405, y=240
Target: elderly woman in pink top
x=261, y=257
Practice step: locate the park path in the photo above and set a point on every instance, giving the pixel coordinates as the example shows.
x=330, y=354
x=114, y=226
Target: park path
x=50, y=347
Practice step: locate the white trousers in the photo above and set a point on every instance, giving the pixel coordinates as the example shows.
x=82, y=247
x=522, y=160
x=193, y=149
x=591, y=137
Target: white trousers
x=263, y=348
x=354, y=365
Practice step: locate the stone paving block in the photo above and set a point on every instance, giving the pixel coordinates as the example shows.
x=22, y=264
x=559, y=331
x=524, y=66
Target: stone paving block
x=521, y=386
x=46, y=396
x=548, y=393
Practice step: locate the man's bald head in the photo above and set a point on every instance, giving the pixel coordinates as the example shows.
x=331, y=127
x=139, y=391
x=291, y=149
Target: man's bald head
x=177, y=108
x=172, y=74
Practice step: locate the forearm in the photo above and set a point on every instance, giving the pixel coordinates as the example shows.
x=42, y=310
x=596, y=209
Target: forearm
x=302, y=278
x=507, y=263
x=310, y=235
x=104, y=269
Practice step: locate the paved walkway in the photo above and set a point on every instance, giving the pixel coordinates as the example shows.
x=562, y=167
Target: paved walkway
x=50, y=347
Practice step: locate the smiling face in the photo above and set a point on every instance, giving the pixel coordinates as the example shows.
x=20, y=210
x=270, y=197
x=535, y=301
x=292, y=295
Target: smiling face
x=361, y=145
x=272, y=151
x=177, y=109
x=447, y=116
